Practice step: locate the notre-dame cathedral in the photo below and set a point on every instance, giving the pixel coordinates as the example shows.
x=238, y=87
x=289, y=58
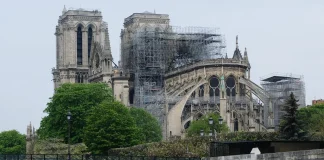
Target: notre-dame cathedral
x=176, y=74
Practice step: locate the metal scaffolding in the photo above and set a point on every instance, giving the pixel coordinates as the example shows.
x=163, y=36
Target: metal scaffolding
x=279, y=86
x=150, y=52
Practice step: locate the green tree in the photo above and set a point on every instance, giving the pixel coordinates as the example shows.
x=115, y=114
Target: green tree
x=12, y=142
x=289, y=128
x=203, y=124
x=317, y=122
x=311, y=115
x=78, y=99
x=149, y=128
x=110, y=125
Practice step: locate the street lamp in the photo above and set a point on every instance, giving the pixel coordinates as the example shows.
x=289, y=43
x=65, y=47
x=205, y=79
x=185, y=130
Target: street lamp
x=201, y=132
x=210, y=121
x=220, y=120
x=69, y=116
x=211, y=133
x=212, y=129
x=296, y=136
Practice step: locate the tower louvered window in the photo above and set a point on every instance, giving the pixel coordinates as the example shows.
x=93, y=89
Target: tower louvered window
x=89, y=41
x=79, y=46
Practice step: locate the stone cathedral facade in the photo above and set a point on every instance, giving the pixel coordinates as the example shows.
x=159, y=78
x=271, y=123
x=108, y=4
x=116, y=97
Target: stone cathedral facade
x=83, y=53
x=220, y=85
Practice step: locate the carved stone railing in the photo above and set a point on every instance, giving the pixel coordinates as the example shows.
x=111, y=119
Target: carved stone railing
x=212, y=62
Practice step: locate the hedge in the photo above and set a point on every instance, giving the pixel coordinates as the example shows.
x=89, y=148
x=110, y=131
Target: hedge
x=190, y=147
x=55, y=146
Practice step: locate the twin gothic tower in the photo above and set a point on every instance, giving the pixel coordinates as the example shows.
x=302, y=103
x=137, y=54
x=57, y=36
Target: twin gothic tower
x=83, y=53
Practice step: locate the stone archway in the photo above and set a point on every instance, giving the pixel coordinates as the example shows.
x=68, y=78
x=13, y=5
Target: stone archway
x=174, y=115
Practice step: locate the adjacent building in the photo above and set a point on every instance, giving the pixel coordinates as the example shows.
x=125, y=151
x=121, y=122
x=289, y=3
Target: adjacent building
x=318, y=101
x=279, y=86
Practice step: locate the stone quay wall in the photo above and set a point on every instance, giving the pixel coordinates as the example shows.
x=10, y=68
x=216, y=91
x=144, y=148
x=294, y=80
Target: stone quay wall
x=295, y=155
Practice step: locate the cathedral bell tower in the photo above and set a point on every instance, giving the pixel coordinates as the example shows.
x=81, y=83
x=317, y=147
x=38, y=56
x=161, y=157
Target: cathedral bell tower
x=76, y=33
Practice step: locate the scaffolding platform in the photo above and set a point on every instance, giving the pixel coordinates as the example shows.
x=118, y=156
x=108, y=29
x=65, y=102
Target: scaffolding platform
x=279, y=86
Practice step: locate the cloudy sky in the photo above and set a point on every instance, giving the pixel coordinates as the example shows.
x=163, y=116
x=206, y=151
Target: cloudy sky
x=280, y=36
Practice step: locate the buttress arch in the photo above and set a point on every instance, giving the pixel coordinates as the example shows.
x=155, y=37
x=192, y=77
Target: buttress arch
x=174, y=115
x=174, y=123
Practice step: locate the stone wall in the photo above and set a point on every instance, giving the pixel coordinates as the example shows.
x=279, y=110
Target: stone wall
x=236, y=157
x=302, y=155
x=296, y=155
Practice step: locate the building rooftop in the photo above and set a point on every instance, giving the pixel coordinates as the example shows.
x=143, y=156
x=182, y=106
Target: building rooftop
x=146, y=15
x=80, y=12
x=277, y=78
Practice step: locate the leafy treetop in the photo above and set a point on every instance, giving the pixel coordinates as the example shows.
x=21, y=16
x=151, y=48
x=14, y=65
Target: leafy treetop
x=12, y=142
x=150, y=130
x=77, y=98
x=311, y=118
x=110, y=125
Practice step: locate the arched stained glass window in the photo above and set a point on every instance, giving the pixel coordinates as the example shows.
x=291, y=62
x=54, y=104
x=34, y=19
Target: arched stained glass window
x=201, y=91
x=214, y=84
x=236, y=124
x=230, y=86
